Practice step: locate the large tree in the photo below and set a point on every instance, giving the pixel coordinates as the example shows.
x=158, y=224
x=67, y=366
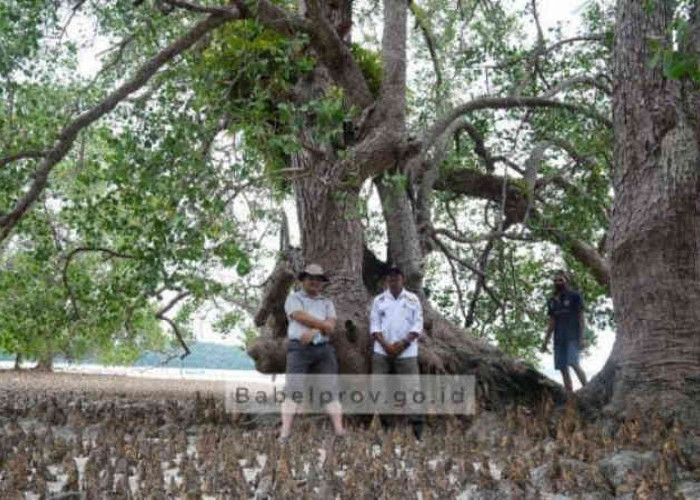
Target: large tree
x=466, y=185
x=655, y=237
x=327, y=178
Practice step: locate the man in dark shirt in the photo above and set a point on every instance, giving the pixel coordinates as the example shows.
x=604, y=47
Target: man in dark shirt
x=566, y=320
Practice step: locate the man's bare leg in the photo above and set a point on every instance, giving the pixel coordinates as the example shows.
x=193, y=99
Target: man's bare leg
x=289, y=408
x=579, y=373
x=336, y=413
x=567, y=379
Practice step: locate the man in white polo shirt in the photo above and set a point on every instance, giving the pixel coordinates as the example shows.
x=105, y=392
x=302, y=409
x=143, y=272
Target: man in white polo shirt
x=311, y=318
x=396, y=322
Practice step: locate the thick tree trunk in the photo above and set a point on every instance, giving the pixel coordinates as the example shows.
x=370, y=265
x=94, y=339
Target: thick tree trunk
x=45, y=363
x=404, y=244
x=331, y=230
x=332, y=236
x=655, y=259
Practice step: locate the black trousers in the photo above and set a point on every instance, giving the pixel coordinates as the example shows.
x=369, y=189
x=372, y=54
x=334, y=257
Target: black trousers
x=408, y=367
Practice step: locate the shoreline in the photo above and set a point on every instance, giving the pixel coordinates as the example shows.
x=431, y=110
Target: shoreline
x=124, y=385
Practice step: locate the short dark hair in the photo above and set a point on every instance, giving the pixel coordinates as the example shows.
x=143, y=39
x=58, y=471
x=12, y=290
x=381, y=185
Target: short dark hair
x=562, y=273
x=393, y=271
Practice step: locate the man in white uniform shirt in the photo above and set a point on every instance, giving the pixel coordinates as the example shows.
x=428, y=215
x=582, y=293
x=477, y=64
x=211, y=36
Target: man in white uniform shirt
x=396, y=322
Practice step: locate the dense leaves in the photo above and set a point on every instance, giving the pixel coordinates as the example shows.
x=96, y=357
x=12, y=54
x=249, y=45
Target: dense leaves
x=178, y=193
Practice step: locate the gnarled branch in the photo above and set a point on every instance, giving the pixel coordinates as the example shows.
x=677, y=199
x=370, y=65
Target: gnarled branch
x=161, y=316
x=275, y=293
x=478, y=185
x=443, y=124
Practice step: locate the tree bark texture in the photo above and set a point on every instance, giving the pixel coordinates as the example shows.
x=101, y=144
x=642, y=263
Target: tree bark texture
x=44, y=363
x=655, y=237
x=402, y=235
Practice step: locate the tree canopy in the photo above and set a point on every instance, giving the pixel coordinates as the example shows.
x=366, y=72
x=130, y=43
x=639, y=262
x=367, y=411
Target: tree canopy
x=160, y=180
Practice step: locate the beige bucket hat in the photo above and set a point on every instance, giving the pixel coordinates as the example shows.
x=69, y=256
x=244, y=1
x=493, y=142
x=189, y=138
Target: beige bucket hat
x=313, y=270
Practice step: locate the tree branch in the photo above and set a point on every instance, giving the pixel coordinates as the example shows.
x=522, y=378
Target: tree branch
x=482, y=237
x=74, y=11
x=480, y=284
x=275, y=292
x=479, y=144
x=420, y=16
x=458, y=288
x=69, y=258
x=547, y=50
x=481, y=275
x=424, y=173
x=391, y=108
x=540, y=33
x=333, y=53
x=402, y=233
x=193, y=7
x=578, y=80
x=285, y=241
x=276, y=288
x=443, y=123
x=22, y=155
x=172, y=303
x=451, y=255
x=69, y=133
x=121, y=47
x=486, y=186
x=161, y=316
x=517, y=204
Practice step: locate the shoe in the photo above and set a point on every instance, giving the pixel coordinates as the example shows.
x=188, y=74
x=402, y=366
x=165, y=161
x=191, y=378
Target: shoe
x=418, y=432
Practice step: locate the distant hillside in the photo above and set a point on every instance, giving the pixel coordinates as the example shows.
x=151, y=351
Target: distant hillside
x=207, y=355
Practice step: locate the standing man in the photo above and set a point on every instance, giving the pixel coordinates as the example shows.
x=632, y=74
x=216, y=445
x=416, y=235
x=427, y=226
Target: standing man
x=566, y=320
x=311, y=320
x=396, y=322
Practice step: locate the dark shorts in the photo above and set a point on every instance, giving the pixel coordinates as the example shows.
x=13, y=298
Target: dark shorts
x=313, y=359
x=566, y=353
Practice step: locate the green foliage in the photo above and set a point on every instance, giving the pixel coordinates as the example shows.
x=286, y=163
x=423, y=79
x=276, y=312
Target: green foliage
x=184, y=180
x=96, y=315
x=23, y=26
x=675, y=54
x=148, y=184
x=511, y=311
x=253, y=72
x=370, y=63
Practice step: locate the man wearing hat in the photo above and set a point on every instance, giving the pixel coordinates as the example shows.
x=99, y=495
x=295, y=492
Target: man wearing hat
x=396, y=322
x=311, y=319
